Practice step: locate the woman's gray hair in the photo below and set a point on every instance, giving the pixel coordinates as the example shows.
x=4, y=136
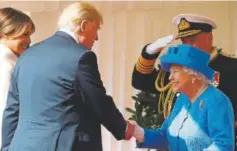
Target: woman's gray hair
x=196, y=75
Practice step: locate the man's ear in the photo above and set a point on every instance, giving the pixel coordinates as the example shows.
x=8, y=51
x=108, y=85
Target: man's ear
x=83, y=25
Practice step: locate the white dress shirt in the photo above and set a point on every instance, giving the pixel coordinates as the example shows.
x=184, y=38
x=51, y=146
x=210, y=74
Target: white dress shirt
x=69, y=32
x=7, y=63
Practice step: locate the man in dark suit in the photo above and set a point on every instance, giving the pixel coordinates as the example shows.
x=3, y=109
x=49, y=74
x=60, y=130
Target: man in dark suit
x=57, y=101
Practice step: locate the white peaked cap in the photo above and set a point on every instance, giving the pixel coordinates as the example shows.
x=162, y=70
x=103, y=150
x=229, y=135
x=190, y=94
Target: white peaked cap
x=195, y=19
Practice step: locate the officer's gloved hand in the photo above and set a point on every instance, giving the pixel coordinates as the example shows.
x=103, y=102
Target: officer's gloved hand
x=159, y=44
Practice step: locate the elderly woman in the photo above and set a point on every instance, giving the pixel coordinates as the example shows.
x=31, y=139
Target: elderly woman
x=15, y=31
x=202, y=118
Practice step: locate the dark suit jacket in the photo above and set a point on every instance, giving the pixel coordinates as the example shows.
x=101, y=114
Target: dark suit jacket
x=57, y=101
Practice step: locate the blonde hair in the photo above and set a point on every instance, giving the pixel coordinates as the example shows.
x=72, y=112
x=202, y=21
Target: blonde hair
x=13, y=22
x=74, y=14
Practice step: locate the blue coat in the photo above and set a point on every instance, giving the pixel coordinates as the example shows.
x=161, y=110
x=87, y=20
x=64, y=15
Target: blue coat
x=205, y=125
x=57, y=101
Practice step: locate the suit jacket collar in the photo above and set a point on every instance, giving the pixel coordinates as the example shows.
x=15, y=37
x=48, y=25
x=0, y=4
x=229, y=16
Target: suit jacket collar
x=69, y=37
x=65, y=35
x=70, y=33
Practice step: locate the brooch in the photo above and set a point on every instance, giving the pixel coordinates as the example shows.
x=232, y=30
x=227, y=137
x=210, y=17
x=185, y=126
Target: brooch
x=201, y=104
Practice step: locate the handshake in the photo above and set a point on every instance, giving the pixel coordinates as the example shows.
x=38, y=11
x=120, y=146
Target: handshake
x=134, y=130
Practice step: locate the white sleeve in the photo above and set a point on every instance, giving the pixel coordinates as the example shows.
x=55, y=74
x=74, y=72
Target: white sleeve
x=5, y=76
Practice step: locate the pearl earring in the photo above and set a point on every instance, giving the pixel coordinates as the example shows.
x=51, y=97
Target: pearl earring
x=193, y=80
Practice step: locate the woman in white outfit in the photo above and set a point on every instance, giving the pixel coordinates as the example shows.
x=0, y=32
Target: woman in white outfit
x=15, y=31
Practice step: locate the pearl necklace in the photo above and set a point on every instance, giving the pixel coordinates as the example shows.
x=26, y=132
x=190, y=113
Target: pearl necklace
x=200, y=91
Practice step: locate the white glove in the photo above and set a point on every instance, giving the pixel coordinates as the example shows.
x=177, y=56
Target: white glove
x=159, y=44
x=139, y=133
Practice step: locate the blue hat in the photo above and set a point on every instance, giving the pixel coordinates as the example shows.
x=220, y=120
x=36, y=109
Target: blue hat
x=187, y=56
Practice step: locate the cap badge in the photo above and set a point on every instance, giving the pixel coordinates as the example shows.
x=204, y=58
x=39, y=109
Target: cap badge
x=184, y=24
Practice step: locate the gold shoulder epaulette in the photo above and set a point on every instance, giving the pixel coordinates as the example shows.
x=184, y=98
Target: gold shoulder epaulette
x=218, y=51
x=215, y=51
x=230, y=55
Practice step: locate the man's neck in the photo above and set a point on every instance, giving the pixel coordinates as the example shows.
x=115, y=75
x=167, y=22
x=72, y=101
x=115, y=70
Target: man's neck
x=69, y=32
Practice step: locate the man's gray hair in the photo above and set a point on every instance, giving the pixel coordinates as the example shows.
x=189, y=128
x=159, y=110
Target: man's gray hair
x=74, y=14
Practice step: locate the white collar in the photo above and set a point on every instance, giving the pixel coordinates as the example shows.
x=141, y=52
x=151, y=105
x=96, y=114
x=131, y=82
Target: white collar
x=69, y=32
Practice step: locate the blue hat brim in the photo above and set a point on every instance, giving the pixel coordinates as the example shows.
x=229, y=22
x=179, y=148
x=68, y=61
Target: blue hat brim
x=167, y=60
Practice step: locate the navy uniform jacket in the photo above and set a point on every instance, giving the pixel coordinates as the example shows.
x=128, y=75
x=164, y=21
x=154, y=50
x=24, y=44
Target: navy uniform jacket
x=57, y=101
x=225, y=66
